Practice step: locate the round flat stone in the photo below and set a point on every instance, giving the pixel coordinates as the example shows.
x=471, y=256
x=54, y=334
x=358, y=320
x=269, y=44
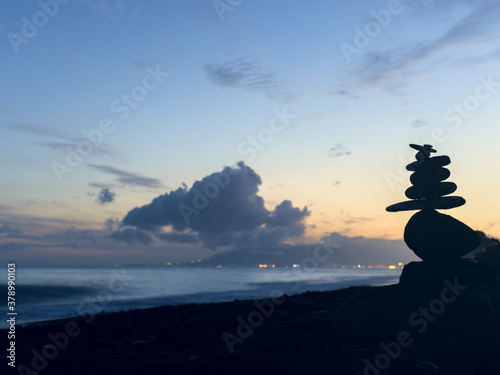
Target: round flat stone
x=435, y=236
x=427, y=175
x=437, y=161
x=442, y=203
x=432, y=190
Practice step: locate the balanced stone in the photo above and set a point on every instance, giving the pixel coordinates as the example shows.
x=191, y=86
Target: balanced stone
x=434, y=236
x=436, y=161
x=423, y=151
x=431, y=190
x=424, y=176
x=450, y=201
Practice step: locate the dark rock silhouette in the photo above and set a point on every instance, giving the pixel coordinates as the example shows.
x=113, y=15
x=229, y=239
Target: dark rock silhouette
x=428, y=190
x=469, y=271
x=488, y=253
x=431, y=174
x=433, y=236
x=439, y=239
x=430, y=234
x=445, y=293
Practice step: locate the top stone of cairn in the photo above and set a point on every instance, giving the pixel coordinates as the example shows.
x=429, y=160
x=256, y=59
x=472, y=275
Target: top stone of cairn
x=429, y=191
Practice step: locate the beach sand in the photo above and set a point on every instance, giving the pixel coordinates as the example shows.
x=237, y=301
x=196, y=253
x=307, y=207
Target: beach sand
x=310, y=333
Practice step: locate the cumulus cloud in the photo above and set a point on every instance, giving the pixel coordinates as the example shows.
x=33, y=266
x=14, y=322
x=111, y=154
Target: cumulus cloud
x=289, y=217
x=133, y=235
x=179, y=237
x=80, y=234
x=223, y=201
x=111, y=223
x=222, y=209
x=105, y=196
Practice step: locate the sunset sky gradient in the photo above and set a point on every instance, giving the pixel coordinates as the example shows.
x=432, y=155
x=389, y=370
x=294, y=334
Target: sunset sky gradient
x=108, y=105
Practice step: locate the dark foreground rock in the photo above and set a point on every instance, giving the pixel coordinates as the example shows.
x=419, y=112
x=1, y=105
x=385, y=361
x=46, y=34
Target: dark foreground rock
x=359, y=330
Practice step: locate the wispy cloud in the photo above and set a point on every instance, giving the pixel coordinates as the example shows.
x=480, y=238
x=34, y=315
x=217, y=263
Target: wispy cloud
x=355, y=220
x=9, y=231
x=21, y=246
x=100, y=186
x=129, y=178
x=338, y=151
x=343, y=93
x=248, y=76
x=396, y=66
x=44, y=131
x=60, y=139
x=418, y=123
x=63, y=147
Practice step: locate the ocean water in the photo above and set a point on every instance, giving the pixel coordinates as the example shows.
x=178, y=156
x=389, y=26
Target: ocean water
x=50, y=293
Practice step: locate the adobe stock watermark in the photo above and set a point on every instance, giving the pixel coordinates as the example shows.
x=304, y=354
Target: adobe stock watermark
x=59, y=341
x=454, y=116
x=463, y=110
x=32, y=25
x=363, y=37
x=122, y=107
x=223, y=6
x=421, y=319
x=265, y=308
x=265, y=135
x=250, y=148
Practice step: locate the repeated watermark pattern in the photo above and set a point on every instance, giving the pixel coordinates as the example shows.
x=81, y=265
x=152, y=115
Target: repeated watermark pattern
x=265, y=308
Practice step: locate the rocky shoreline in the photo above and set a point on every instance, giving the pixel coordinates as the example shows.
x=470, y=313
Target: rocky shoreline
x=347, y=331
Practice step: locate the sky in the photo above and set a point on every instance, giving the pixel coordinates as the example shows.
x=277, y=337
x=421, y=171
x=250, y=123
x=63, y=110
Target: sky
x=165, y=131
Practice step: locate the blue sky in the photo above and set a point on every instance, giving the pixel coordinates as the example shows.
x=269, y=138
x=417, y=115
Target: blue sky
x=319, y=99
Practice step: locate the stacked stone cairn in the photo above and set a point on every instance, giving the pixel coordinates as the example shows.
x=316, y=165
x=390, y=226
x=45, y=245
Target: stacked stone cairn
x=441, y=240
x=431, y=235
x=446, y=295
